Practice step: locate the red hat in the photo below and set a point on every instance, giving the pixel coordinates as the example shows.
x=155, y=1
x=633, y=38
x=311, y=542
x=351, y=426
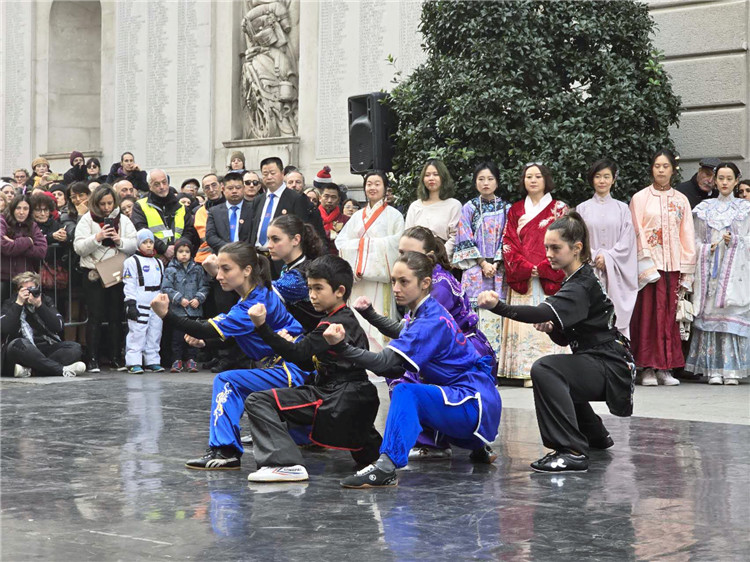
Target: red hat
x=323, y=178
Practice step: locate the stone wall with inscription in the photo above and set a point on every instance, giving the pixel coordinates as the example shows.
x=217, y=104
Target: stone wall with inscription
x=163, y=83
x=355, y=40
x=17, y=27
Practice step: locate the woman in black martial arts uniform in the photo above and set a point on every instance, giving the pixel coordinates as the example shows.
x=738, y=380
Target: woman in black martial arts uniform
x=581, y=315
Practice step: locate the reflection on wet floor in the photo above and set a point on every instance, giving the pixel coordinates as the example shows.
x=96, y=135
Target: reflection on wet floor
x=94, y=471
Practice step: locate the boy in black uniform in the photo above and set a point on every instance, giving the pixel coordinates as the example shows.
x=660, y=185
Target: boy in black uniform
x=339, y=401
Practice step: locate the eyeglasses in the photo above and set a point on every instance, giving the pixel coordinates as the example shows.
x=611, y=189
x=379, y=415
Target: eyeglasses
x=252, y=182
x=42, y=210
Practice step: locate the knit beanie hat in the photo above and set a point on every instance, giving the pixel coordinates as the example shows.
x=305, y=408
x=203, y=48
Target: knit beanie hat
x=144, y=234
x=75, y=154
x=239, y=155
x=38, y=161
x=323, y=178
x=183, y=242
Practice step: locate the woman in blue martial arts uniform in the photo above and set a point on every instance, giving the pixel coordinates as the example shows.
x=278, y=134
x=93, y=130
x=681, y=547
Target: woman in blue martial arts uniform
x=448, y=292
x=458, y=399
x=240, y=269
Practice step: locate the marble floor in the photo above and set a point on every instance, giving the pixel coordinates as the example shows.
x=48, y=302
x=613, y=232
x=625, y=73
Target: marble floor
x=93, y=470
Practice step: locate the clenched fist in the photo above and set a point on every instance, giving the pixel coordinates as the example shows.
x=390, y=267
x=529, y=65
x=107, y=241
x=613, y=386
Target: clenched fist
x=334, y=334
x=160, y=305
x=257, y=314
x=362, y=303
x=488, y=300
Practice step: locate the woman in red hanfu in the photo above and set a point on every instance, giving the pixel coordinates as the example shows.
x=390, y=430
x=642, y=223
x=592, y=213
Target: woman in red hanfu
x=529, y=275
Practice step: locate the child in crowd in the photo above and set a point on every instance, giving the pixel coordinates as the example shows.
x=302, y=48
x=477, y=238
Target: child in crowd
x=126, y=206
x=187, y=286
x=142, y=276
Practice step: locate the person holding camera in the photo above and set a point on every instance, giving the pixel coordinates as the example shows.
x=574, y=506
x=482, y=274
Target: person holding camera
x=101, y=234
x=31, y=330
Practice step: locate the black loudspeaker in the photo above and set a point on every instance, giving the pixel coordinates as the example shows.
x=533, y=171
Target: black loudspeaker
x=372, y=126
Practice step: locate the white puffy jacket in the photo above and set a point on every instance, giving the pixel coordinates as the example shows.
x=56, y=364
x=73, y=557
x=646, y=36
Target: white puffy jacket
x=91, y=251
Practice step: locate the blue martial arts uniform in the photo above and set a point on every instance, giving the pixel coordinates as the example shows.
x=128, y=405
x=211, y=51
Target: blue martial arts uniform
x=231, y=388
x=458, y=399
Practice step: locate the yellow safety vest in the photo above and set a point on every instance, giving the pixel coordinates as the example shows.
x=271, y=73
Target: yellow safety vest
x=156, y=223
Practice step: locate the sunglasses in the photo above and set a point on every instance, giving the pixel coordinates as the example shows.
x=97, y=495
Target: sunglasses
x=533, y=164
x=252, y=182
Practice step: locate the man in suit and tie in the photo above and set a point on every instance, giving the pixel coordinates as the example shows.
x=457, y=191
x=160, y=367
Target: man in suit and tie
x=231, y=221
x=278, y=200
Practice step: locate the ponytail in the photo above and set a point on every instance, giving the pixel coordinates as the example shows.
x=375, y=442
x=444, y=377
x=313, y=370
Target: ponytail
x=431, y=244
x=243, y=254
x=292, y=225
x=572, y=229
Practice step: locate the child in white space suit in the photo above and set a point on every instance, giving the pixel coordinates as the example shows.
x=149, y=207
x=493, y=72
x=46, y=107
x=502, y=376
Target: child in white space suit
x=142, y=274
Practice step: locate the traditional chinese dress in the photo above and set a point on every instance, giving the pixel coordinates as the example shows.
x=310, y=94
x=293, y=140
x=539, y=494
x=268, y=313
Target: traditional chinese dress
x=721, y=293
x=369, y=242
x=665, y=238
x=611, y=235
x=523, y=249
x=480, y=235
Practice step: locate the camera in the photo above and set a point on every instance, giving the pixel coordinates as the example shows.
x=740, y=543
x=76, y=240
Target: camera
x=35, y=291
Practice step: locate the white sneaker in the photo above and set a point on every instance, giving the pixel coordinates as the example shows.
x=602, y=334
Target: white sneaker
x=74, y=369
x=715, y=380
x=21, y=372
x=648, y=378
x=665, y=378
x=731, y=382
x=295, y=473
x=429, y=454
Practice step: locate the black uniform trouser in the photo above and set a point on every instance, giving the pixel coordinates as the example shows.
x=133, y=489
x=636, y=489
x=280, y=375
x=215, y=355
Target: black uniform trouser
x=272, y=444
x=103, y=304
x=563, y=387
x=44, y=359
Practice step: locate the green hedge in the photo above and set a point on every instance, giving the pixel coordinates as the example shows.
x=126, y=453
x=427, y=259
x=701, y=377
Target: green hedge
x=561, y=82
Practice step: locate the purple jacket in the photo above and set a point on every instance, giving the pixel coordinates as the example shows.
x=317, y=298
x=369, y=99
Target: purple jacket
x=20, y=254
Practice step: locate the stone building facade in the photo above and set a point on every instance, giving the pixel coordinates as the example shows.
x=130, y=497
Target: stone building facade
x=182, y=84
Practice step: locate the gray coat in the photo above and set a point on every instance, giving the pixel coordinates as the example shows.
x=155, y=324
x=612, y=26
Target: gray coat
x=187, y=281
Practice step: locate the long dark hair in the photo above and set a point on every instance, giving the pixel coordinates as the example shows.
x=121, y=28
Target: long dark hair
x=431, y=244
x=572, y=229
x=15, y=227
x=243, y=254
x=292, y=225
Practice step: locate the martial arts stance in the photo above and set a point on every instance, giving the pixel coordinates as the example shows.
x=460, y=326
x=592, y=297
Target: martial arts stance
x=142, y=274
x=601, y=368
x=459, y=400
x=447, y=291
x=339, y=401
x=240, y=270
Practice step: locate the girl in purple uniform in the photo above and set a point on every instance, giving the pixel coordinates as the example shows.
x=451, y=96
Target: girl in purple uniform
x=458, y=399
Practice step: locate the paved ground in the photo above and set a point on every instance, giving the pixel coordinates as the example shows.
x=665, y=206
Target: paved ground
x=92, y=469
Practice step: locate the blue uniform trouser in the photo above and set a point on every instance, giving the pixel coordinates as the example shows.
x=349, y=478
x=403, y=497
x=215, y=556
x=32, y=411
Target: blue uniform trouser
x=414, y=406
x=231, y=388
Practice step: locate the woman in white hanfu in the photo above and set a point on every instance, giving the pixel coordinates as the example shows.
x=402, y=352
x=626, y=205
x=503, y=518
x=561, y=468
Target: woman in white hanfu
x=613, y=246
x=369, y=242
x=720, y=347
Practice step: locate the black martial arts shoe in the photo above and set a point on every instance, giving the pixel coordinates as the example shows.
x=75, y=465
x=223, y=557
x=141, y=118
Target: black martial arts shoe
x=371, y=477
x=561, y=462
x=216, y=458
x=485, y=455
x=603, y=443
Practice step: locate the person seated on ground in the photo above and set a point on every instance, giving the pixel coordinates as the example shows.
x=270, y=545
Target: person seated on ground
x=241, y=270
x=601, y=367
x=447, y=291
x=31, y=330
x=339, y=400
x=456, y=395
